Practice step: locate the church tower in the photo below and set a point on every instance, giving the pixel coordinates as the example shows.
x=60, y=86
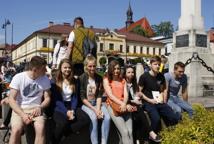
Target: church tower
x=129, y=15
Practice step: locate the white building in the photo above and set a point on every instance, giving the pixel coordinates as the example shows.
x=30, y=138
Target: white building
x=126, y=44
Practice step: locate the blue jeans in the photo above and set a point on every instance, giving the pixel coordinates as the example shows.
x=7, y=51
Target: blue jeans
x=94, y=124
x=178, y=105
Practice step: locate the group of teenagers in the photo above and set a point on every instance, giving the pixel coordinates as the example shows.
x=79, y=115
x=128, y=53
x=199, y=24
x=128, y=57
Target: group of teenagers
x=75, y=96
x=75, y=101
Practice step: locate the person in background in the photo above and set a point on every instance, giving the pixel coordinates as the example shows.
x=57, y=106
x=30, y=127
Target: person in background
x=116, y=90
x=143, y=126
x=91, y=92
x=75, y=50
x=29, y=95
x=174, y=81
x=152, y=86
x=60, y=51
x=164, y=68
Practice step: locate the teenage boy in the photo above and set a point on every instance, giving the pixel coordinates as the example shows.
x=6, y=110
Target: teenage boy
x=152, y=85
x=174, y=81
x=29, y=95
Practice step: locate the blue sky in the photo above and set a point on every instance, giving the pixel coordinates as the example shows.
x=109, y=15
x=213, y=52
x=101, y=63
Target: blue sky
x=31, y=15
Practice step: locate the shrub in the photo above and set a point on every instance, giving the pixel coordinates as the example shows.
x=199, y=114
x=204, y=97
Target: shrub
x=198, y=130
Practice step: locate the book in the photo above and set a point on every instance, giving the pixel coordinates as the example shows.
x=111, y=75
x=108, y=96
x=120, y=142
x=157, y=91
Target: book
x=157, y=96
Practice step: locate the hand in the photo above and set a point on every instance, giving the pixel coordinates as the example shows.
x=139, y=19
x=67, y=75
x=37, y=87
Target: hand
x=26, y=119
x=99, y=114
x=53, y=66
x=123, y=107
x=36, y=112
x=5, y=101
x=137, y=101
x=153, y=101
x=131, y=108
x=160, y=100
x=139, y=94
x=70, y=114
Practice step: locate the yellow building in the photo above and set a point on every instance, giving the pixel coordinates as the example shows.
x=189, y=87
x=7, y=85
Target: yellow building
x=127, y=45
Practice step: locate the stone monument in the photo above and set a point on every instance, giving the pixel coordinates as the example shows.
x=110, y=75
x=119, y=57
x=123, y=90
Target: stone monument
x=190, y=40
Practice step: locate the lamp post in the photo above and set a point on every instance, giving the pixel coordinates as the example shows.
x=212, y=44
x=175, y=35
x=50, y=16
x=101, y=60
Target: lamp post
x=4, y=26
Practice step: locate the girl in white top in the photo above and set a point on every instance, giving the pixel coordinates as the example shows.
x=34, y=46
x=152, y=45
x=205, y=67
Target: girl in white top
x=60, y=52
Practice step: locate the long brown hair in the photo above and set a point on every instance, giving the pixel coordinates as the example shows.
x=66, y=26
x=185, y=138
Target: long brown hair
x=110, y=72
x=134, y=79
x=59, y=76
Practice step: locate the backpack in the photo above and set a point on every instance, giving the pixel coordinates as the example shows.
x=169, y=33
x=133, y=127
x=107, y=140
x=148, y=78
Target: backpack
x=89, y=46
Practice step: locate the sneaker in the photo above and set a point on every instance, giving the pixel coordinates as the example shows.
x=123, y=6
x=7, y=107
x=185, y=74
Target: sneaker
x=3, y=127
x=156, y=139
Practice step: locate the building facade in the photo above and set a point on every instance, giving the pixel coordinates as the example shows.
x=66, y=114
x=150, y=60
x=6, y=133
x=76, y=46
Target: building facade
x=127, y=45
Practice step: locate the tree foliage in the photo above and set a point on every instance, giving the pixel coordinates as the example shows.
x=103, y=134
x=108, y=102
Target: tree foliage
x=139, y=30
x=163, y=29
x=102, y=60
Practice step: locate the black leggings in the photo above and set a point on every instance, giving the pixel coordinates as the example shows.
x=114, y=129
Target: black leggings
x=63, y=125
x=141, y=126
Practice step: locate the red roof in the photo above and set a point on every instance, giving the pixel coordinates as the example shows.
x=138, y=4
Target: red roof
x=138, y=38
x=59, y=29
x=211, y=34
x=65, y=29
x=144, y=23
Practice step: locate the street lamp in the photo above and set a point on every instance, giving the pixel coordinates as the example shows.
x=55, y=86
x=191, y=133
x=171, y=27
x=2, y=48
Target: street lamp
x=4, y=26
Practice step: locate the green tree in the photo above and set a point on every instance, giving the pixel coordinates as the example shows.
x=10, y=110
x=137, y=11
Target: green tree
x=163, y=29
x=102, y=61
x=139, y=30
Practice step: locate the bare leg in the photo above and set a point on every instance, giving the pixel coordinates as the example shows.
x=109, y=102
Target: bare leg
x=39, y=126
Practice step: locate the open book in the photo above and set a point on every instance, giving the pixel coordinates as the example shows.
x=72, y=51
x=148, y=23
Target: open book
x=157, y=96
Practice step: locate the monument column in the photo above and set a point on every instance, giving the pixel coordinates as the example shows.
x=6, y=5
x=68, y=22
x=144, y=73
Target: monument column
x=190, y=38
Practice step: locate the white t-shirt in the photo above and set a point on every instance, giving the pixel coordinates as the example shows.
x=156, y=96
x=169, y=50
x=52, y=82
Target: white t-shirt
x=59, y=53
x=30, y=91
x=91, y=90
x=66, y=92
x=71, y=37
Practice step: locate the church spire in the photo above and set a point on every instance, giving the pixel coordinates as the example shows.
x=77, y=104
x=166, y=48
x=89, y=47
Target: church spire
x=129, y=15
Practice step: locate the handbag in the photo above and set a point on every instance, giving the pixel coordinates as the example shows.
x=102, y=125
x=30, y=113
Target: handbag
x=116, y=109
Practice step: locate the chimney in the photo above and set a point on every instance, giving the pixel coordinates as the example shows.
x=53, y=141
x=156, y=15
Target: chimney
x=66, y=24
x=51, y=23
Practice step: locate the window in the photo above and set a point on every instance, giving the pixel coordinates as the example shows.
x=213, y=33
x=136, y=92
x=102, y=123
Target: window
x=101, y=47
x=141, y=50
x=54, y=42
x=44, y=43
x=159, y=51
x=127, y=49
x=153, y=51
x=147, y=50
x=121, y=48
x=111, y=46
x=134, y=49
